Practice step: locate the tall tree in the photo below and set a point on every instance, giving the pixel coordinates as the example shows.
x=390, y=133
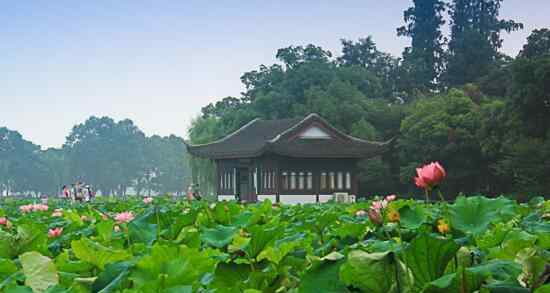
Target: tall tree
x=364, y=54
x=293, y=56
x=204, y=130
x=423, y=59
x=20, y=167
x=166, y=167
x=475, y=39
x=105, y=153
x=531, y=84
x=444, y=128
x=56, y=165
x=538, y=44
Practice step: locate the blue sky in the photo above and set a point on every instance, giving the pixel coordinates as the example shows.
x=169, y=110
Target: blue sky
x=159, y=62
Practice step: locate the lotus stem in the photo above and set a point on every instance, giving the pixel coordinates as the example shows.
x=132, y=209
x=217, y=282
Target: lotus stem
x=396, y=262
x=427, y=195
x=399, y=232
x=441, y=195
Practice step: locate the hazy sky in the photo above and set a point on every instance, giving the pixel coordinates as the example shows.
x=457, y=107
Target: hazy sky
x=159, y=62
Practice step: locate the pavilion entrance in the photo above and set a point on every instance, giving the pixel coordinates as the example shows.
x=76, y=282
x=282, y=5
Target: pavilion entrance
x=243, y=185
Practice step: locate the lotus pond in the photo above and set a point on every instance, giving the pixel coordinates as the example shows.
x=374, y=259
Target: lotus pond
x=475, y=244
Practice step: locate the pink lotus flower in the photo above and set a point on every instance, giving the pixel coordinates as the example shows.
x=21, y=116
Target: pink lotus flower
x=376, y=205
x=360, y=213
x=33, y=208
x=40, y=207
x=26, y=208
x=124, y=217
x=391, y=197
x=3, y=221
x=148, y=200
x=420, y=182
x=55, y=232
x=430, y=175
x=379, y=204
x=375, y=216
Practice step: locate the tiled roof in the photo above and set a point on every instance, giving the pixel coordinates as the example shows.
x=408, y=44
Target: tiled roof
x=279, y=137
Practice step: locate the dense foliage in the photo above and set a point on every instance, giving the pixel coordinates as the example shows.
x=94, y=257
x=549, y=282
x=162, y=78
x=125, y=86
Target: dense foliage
x=476, y=244
x=111, y=156
x=457, y=100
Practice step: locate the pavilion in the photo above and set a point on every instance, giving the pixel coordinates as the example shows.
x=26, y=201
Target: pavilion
x=287, y=160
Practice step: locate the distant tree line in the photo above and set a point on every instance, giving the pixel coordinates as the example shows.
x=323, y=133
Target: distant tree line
x=456, y=99
x=111, y=156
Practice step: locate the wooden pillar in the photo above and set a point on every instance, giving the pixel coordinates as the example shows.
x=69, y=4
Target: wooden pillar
x=218, y=176
x=278, y=182
x=316, y=182
x=355, y=180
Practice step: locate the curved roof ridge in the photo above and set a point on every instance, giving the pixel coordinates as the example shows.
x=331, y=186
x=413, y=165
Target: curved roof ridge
x=290, y=129
x=373, y=142
x=262, y=136
x=351, y=137
x=229, y=135
x=338, y=131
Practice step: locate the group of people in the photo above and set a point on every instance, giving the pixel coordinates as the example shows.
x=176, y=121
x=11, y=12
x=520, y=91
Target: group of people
x=78, y=192
x=81, y=192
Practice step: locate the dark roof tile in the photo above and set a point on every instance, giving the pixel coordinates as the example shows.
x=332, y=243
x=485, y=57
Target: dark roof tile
x=276, y=136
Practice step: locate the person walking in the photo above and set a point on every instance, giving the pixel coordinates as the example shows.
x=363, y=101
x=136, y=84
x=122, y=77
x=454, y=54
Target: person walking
x=91, y=193
x=66, y=192
x=190, y=192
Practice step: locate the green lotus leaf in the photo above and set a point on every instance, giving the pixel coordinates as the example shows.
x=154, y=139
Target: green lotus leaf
x=18, y=289
x=112, y=278
x=105, y=230
x=225, y=212
x=7, y=268
x=475, y=214
x=40, y=271
x=427, y=257
x=219, y=236
x=412, y=217
x=32, y=237
x=141, y=231
x=8, y=273
x=64, y=263
x=261, y=236
x=471, y=279
x=231, y=277
x=460, y=281
x=543, y=289
x=7, y=245
x=97, y=254
x=370, y=272
x=514, y=241
x=323, y=278
x=170, y=266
